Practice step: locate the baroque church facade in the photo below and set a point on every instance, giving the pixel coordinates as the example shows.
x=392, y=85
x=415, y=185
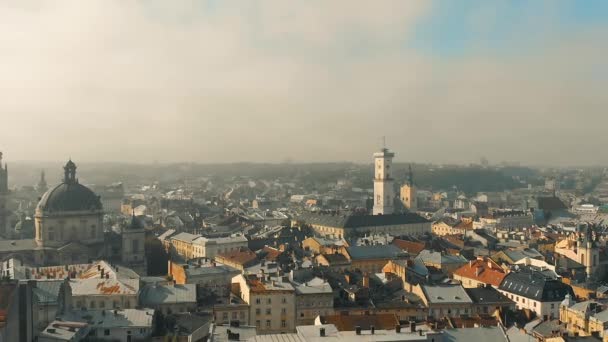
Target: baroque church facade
x=69, y=229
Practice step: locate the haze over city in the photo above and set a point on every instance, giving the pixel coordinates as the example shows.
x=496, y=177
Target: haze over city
x=269, y=81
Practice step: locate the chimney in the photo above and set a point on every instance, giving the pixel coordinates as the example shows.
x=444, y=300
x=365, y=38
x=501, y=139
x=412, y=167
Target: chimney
x=478, y=270
x=412, y=326
x=322, y=332
x=373, y=329
x=358, y=330
x=397, y=328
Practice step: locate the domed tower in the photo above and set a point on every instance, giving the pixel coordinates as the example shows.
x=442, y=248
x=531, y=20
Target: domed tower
x=69, y=212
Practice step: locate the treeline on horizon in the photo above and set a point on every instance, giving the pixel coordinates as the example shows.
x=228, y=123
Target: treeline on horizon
x=468, y=179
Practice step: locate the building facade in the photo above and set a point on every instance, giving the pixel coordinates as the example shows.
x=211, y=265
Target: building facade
x=384, y=193
x=272, y=303
x=408, y=194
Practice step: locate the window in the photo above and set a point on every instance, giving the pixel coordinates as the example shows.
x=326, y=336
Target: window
x=268, y=311
x=283, y=311
x=102, y=304
x=225, y=315
x=92, y=304
x=106, y=332
x=552, y=306
x=268, y=301
x=267, y=323
x=258, y=311
x=284, y=300
x=258, y=301
x=283, y=323
x=258, y=324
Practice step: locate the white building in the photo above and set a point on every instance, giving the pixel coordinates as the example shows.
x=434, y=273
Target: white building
x=210, y=247
x=534, y=291
x=384, y=193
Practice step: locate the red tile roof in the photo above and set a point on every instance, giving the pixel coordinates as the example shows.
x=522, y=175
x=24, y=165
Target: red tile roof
x=483, y=270
x=414, y=248
x=271, y=253
x=243, y=256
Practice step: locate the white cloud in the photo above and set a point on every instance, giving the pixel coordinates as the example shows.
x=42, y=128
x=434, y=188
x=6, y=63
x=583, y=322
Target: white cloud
x=113, y=80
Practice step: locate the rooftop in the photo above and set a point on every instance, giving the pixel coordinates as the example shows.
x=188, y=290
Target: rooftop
x=165, y=294
x=441, y=294
x=95, y=287
x=361, y=221
x=534, y=285
x=375, y=252
x=314, y=286
x=126, y=318
x=483, y=270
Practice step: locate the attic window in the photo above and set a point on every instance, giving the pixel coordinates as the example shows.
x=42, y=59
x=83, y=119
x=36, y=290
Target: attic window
x=439, y=297
x=456, y=297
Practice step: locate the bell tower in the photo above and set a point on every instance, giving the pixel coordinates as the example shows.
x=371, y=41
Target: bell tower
x=384, y=193
x=69, y=173
x=42, y=185
x=408, y=192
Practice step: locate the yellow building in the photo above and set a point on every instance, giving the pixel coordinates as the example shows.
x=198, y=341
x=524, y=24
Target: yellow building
x=450, y=226
x=272, y=303
x=584, y=318
x=339, y=226
x=183, y=244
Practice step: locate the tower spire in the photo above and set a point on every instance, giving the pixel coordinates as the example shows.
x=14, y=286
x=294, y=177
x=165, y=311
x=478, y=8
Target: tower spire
x=410, y=176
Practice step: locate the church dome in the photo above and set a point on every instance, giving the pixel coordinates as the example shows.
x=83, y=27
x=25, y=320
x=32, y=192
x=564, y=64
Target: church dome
x=69, y=195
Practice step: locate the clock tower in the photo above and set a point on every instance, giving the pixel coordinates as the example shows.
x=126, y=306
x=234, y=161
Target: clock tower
x=383, y=183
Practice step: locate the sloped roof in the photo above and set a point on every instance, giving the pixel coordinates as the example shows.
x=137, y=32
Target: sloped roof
x=413, y=248
x=436, y=294
x=47, y=292
x=375, y=252
x=487, y=295
x=534, y=285
x=92, y=287
x=164, y=294
x=485, y=271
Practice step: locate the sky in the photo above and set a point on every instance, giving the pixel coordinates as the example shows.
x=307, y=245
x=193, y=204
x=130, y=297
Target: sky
x=446, y=81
